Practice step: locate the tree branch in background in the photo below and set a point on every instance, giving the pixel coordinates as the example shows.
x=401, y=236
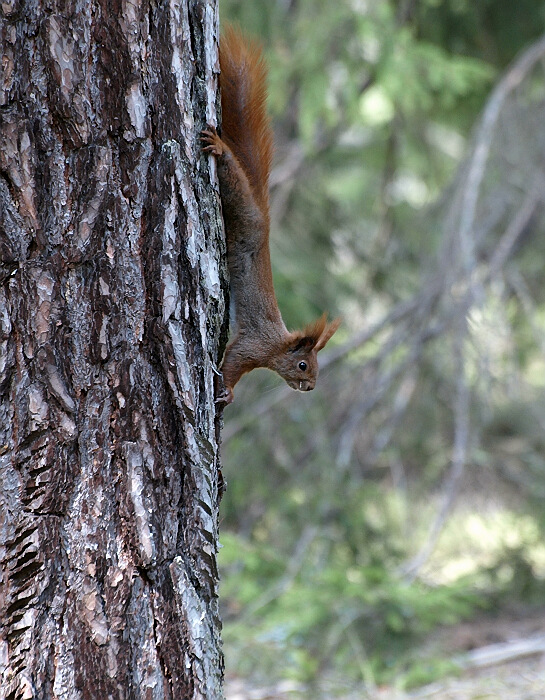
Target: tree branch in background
x=477, y=247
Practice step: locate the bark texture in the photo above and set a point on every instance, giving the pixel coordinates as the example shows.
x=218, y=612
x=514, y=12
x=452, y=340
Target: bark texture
x=112, y=317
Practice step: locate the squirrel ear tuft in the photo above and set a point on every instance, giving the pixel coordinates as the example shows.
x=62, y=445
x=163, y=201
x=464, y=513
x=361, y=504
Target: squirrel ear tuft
x=327, y=332
x=314, y=335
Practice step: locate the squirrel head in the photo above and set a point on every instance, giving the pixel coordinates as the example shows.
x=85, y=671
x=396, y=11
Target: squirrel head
x=297, y=362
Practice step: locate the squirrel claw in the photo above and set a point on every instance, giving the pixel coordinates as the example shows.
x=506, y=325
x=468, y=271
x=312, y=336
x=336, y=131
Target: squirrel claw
x=212, y=141
x=226, y=397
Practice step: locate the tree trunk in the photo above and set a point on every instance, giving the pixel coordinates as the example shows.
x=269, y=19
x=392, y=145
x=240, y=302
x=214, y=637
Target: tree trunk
x=111, y=322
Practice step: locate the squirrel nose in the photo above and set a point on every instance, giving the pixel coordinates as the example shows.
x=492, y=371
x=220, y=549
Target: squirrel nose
x=309, y=388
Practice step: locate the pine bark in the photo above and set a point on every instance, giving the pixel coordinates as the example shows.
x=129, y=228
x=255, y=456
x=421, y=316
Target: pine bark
x=112, y=319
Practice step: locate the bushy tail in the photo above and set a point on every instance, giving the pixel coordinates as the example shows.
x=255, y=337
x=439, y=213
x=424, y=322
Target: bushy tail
x=245, y=124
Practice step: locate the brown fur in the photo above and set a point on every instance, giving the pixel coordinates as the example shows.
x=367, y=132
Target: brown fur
x=244, y=156
x=245, y=123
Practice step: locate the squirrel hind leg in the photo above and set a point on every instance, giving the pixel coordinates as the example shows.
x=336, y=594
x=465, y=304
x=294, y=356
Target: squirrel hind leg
x=212, y=142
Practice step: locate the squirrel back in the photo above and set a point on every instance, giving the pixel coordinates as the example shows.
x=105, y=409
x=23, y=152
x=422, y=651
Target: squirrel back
x=246, y=127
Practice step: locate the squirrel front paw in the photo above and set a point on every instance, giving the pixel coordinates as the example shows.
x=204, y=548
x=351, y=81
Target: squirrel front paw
x=226, y=397
x=213, y=143
x=224, y=394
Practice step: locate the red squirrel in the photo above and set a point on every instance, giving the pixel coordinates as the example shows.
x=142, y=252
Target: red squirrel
x=244, y=155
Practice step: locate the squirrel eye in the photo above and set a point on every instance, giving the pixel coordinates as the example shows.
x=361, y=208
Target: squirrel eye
x=302, y=366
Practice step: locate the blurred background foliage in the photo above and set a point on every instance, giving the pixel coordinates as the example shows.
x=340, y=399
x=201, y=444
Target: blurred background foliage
x=407, y=491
